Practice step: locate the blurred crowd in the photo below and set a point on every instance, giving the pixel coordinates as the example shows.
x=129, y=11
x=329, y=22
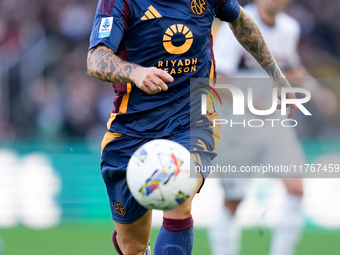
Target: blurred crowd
x=45, y=92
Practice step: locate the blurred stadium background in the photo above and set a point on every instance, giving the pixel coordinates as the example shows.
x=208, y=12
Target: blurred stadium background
x=52, y=118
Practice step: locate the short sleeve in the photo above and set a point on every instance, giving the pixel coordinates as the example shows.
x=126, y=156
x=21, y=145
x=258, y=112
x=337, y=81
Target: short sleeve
x=227, y=10
x=109, y=23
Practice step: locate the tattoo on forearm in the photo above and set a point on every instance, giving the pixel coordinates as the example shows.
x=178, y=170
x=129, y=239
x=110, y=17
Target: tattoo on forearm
x=106, y=66
x=249, y=35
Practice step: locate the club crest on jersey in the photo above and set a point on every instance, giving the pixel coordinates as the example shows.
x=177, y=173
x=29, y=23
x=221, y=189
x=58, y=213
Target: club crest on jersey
x=198, y=7
x=119, y=209
x=105, y=27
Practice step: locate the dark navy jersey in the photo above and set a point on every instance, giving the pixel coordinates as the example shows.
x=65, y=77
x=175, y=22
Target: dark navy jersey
x=174, y=36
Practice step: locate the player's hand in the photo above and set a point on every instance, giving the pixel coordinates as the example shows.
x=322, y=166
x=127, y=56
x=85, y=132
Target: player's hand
x=282, y=83
x=293, y=107
x=151, y=79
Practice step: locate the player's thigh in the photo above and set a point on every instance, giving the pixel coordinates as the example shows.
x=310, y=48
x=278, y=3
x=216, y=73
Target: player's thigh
x=115, y=157
x=235, y=189
x=232, y=205
x=294, y=186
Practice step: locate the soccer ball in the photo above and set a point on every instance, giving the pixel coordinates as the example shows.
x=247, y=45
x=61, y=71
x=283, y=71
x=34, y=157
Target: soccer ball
x=158, y=175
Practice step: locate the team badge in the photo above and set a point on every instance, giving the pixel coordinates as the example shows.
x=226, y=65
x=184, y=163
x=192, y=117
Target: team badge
x=198, y=7
x=120, y=209
x=105, y=27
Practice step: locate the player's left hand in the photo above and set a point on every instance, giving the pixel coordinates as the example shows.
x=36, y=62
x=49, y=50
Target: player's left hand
x=284, y=83
x=293, y=107
x=151, y=79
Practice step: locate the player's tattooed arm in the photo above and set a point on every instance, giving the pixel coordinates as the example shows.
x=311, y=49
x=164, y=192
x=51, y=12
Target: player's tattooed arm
x=105, y=65
x=250, y=37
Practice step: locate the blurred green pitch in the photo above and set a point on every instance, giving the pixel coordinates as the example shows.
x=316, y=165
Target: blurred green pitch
x=95, y=238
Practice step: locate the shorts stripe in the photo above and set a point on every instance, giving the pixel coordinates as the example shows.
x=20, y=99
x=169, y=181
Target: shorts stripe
x=109, y=137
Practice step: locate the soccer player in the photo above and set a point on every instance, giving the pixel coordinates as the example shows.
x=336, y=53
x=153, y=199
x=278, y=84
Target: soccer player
x=255, y=146
x=149, y=50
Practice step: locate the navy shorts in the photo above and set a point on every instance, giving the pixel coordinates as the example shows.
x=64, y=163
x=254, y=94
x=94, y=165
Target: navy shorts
x=116, y=152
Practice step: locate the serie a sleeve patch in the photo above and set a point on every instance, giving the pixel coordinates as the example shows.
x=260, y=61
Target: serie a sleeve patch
x=105, y=27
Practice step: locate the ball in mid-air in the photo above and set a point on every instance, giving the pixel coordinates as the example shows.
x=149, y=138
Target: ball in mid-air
x=158, y=175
